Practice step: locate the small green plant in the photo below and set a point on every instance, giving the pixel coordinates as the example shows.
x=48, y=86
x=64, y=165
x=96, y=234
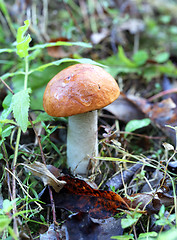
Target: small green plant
x=137, y=124
x=162, y=220
x=140, y=64
x=6, y=217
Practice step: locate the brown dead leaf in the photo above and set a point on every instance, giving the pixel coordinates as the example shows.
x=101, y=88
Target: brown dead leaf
x=125, y=109
x=151, y=202
x=82, y=226
x=161, y=113
x=165, y=198
x=78, y=196
x=146, y=201
x=52, y=233
x=40, y=170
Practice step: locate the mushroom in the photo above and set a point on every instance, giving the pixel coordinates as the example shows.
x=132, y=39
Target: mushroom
x=77, y=92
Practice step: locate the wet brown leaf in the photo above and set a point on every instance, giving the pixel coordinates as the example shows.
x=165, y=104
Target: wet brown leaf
x=78, y=196
x=40, y=170
x=82, y=226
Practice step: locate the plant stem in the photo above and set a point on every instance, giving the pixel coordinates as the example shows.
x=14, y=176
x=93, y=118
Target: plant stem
x=15, y=226
x=26, y=73
x=5, y=84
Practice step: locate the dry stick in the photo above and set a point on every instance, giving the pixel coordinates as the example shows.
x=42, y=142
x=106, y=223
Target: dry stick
x=161, y=94
x=8, y=176
x=43, y=159
x=5, y=84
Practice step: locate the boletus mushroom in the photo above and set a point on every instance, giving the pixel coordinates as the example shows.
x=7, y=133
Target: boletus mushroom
x=78, y=92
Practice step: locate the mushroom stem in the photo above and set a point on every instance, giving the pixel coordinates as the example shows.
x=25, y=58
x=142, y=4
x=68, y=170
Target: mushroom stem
x=82, y=141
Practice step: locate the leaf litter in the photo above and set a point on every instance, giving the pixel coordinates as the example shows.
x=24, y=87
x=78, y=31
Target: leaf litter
x=78, y=196
x=161, y=113
x=41, y=171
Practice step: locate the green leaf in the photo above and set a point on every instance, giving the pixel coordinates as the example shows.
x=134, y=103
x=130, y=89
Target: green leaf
x=4, y=222
x=162, y=57
x=6, y=131
x=42, y=218
x=170, y=234
x=6, y=121
x=37, y=47
x=23, y=41
x=7, y=101
x=8, y=50
x=58, y=62
x=20, y=106
x=140, y=57
x=8, y=205
x=150, y=72
x=123, y=58
x=148, y=235
x=127, y=222
x=7, y=75
x=165, y=19
x=7, y=107
x=124, y=237
x=137, y=124
x=162, y=211
x=43, y=116
x=61, y=43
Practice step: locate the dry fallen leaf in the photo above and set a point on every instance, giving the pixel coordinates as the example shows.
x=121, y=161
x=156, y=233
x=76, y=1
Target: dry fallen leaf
x=40, y=170
x=125, y=109
x=82, y=226
x=151, y=202
x=51, y=233
x=146, y=201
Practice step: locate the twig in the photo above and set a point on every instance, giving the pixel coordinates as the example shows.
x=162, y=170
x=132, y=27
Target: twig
x=8, y=177
x=161, y=94
x=7, y=86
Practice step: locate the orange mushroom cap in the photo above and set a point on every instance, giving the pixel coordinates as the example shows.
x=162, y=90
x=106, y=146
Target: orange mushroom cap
x=78, y=89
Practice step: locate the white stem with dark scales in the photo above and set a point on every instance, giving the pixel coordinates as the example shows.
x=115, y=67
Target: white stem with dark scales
x=82, y=141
